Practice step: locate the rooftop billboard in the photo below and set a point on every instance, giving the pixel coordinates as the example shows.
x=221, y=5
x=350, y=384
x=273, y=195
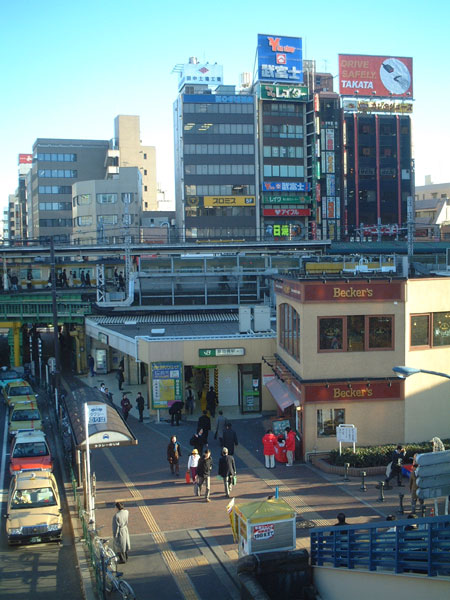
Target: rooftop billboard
x=382, y=76
x=280, y=59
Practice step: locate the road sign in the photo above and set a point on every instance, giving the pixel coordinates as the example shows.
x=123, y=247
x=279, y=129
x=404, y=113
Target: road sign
x=433, y=475
x=97, y=413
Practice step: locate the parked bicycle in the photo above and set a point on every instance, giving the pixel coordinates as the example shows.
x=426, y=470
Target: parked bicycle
x=113, y=581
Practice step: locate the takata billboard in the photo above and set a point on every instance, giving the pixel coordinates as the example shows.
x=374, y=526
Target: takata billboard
x=382, y=76
x=280, y=59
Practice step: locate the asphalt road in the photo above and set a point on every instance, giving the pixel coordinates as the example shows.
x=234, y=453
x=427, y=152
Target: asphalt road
x=40, y=570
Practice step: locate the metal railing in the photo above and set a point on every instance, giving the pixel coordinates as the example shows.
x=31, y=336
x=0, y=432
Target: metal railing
x=409, y=545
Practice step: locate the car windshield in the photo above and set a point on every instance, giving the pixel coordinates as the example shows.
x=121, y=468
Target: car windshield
x=30, y=449
x=8, y=375
x=26, y=415
x=33, y=498
x=22, y=390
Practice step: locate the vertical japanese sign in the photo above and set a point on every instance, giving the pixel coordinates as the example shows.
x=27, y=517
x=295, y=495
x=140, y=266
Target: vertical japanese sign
x=166, y=384
x=280, y=58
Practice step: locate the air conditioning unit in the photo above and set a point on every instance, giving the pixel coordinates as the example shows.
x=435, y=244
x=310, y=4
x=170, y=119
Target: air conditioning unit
x=261, y=318
x=245, y=319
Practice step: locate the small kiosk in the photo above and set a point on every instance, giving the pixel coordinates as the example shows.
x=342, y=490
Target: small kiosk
x=264, y=526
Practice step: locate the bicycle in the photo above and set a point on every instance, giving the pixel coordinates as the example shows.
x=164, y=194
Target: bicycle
x=104, y=552
x=113, y=582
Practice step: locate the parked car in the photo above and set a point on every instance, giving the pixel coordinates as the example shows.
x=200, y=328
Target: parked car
x=34, y=509
x=30, y=452
x=7, y=375
x=25, y=416
x=18, y=390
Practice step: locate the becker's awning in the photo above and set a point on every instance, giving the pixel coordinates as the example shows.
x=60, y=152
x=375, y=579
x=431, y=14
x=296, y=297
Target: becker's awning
x=281, y=393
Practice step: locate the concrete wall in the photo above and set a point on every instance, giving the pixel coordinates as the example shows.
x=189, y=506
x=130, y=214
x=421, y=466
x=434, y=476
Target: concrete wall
x=345, y=584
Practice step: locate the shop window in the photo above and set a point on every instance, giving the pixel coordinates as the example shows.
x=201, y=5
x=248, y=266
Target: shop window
x=328, y=419
x=441, y=329
x=289, y=330
x=356, y=333
x=420, y=330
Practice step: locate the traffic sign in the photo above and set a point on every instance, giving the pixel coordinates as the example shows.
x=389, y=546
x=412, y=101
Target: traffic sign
x=433, y=475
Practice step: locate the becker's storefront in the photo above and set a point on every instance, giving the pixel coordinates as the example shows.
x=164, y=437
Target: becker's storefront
x=340, y=340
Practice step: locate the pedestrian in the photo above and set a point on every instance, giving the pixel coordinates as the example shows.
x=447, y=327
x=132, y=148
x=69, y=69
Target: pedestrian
x=204, y=422
x=126, y=406
x=103, y=388
x=91, y=365
x=229, y=439
x=64, y=283
x=14, y=282
x=396, y=467
x=204, y=468
x=121, y=535
x=175, y=412
x=120, y=378
x=211, y=402
x=82, y=278
x=71, y=282
x=109, y=396
x=189, y=404
x=194, y=457
x=340, y=520
x=173, y=456
x=269, y=440
x=121, y=280
x=88, y=279
x=140, y=403
x=29, y=278
x=227, y=470
x=197, y=440
x=116, y=277
x=220, y=427
x=290, y=446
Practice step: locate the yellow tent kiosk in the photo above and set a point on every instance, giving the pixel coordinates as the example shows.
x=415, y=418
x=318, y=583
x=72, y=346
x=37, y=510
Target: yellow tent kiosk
x=264, y=526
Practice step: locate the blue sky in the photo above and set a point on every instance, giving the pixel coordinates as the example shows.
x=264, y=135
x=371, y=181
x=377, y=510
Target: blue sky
x=69, y=69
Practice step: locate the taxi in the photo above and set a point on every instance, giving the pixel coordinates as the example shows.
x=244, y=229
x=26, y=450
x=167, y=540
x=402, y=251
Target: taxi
x=34, y=509
x=30, y=452
x=18, y=390
x=25, y=416
x=7, y=375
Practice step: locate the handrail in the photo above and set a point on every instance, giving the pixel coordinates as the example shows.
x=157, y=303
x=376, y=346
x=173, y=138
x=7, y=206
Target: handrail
x=387, y=545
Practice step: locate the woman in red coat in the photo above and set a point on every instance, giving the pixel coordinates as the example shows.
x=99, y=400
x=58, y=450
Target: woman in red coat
x=269, y=440
x=290, y=446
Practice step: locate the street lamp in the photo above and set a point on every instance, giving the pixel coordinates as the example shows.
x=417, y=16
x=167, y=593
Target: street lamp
x=404, y=372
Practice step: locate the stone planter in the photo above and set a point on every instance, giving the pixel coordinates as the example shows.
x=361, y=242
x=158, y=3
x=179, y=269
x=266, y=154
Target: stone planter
x=324, y=466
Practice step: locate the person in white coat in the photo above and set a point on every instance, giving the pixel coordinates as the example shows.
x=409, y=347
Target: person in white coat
x=120, y=533
x=194, y=457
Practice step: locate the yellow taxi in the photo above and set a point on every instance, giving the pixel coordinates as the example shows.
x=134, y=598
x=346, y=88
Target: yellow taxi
x=34, y=509
x=25, y=416
x=17, y=390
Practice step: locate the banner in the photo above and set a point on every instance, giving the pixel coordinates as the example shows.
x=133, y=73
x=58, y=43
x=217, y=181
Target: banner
x=382, y=76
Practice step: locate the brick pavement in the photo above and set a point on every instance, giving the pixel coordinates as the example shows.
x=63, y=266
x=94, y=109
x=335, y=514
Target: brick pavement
x=181, y=545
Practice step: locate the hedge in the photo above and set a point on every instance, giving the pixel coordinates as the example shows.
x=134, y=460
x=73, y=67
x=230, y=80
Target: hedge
x=374, y=456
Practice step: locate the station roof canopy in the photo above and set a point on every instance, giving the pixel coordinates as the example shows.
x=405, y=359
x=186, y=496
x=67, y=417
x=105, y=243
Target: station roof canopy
x=115, y=432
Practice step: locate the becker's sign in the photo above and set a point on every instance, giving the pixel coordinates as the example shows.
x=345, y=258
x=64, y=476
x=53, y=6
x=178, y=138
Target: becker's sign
x=382, y=76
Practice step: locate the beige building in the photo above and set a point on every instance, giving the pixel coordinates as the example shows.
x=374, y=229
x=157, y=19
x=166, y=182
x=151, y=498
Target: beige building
x=127, y=151
x=337, y=344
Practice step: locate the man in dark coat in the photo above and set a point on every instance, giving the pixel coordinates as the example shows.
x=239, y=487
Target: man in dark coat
x=175, y=412
x=211, y=402
x=227, y=470
x=204, y=468
x=198, y=441
x=229, y=439
x=140, y=403
x=204, y=423
x=398, y=457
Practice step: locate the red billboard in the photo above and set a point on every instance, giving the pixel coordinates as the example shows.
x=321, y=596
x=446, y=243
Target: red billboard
x=286, y=212
x=381, y=76
x=25, y=159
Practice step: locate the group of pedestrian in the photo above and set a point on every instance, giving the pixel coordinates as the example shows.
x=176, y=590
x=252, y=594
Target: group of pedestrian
x=126, y=406
x=272, y=443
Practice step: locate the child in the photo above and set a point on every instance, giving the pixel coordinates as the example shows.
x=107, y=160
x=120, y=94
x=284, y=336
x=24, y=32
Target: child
x=193, y=463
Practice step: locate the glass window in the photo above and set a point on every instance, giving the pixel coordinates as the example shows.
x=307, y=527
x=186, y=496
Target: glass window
x=441, y=329
x=355, y=334
x=328, y=419
x=127, y=197
x=83, y=199
x=84, y=221
x=106, y=198
x=107, y=219
x=380, y=332
x=331, y=332
x=289, y=330
x=420, y=330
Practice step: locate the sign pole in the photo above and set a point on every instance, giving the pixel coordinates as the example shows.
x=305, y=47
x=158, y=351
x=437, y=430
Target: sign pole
x=88, y=463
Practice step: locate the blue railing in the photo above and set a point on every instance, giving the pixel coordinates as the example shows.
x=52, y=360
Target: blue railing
x=386, y=546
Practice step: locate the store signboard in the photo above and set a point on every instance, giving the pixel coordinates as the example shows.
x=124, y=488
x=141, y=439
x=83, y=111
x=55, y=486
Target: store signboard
x=166, y=383
x=384, y=76
x=213, y=201
x=377, y=106
x=208, y=352
x=286, y=212
x=280, y=58
x=286, y=199
x=355, y=391
x=203, y=73
x=292, y=93
x=286, y=186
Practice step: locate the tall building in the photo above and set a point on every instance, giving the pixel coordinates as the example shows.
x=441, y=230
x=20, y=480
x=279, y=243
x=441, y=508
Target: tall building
x=127, y=149
x=215, y=170
x=378, y=173
x=57, y=165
